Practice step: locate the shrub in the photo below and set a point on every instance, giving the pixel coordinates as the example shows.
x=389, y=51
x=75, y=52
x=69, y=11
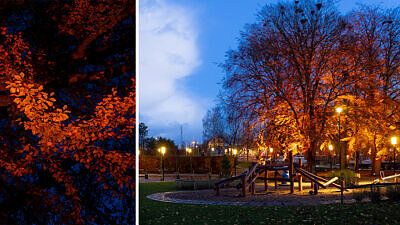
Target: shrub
x=194, y=184
x=225, y=167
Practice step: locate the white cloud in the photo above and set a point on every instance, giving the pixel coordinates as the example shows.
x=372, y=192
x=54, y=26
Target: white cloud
x=167, y=53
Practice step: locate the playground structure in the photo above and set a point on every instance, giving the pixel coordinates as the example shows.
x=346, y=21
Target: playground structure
x=382, y=178
x=257, y=171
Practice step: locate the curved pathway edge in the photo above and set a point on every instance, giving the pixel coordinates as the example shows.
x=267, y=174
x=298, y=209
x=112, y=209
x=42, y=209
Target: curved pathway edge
x=162, y=197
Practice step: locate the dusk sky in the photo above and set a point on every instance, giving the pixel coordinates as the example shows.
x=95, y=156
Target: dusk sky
x=181, y=44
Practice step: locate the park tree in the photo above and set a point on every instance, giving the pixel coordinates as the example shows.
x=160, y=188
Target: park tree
x=143, y=131
x=372, y=107
x=235, y=126
x=289, y=69
x=67, y=156
x=214, y=124
x=153, y=144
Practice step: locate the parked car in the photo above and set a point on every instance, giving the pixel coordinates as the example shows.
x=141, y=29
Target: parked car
x=296, y=159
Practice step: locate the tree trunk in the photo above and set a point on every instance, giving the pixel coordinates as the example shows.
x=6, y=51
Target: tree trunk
x=357, y=162
x=311, y=157
x=374, y=170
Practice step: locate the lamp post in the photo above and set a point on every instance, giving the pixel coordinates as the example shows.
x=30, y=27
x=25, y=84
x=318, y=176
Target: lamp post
x=234, y=159
x=146, y=176
x=188, y=151
x=330, y=147
x=271, y=150
x=339, y=110
x=162, y=161
x=394, y=142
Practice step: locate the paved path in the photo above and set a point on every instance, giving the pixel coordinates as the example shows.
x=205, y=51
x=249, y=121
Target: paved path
x=163, y=198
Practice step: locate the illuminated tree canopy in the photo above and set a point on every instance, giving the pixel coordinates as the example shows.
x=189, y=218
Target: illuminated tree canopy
x=67, y=152
x=301, y=60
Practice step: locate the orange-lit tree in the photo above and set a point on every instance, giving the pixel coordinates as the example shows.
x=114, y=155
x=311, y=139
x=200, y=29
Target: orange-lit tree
x=300, y=61
x=56, y=166
x=288, y=70
x=372, y=106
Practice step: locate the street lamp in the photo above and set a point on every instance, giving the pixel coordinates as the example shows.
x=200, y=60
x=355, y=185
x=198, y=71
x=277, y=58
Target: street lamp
x=330, y=147
x=394, y=142
x=188, y=151
x=162, y=150
x=339, y=110
x=234, y=159
x=271, y=150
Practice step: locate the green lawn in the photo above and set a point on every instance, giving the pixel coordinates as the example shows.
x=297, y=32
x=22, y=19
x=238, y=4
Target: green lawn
x=154, y=212
x=244, y=164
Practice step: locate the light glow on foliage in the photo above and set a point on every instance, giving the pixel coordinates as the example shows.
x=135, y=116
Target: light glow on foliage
x=60, y=139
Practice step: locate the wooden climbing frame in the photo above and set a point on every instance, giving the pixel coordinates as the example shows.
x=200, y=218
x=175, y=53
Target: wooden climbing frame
x=247, y=179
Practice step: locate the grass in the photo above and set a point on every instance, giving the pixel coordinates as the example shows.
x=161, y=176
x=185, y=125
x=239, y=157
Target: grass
x=154, y=212
x=196, y=184
x=244, y=164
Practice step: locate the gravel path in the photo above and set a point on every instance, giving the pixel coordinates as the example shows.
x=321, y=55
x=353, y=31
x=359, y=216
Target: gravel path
x=229, y=196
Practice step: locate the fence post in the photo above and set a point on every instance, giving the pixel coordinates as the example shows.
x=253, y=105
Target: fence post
x=341, y=191
x=291, y=166
x=370, y=193
x=300, y=177
x=265, y=176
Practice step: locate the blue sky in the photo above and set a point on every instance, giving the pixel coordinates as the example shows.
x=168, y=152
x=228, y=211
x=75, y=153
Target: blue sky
x=181, y=43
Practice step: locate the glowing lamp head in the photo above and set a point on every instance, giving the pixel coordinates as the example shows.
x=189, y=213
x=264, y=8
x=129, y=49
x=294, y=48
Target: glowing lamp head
x=234, y=151
x=159, y=150
x=271, y=150
x=339, y=109
x=330, y=147
x=163, y=150
x=212, y=149
x=393, y=140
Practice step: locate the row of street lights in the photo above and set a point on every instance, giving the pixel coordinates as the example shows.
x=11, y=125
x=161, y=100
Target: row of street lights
x=162, y=150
